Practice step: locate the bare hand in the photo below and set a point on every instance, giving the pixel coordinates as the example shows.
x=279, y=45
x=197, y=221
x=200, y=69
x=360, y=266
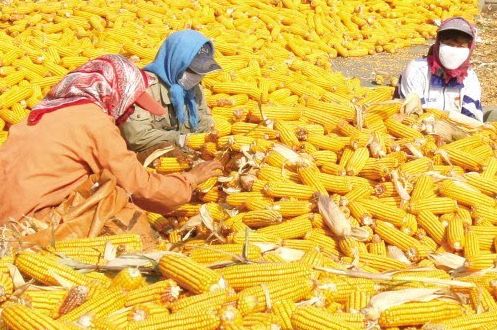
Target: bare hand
x=206, y=170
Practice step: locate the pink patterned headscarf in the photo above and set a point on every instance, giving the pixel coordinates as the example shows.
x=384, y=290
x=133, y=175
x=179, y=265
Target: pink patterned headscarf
x=112, y=82
x=436, y=66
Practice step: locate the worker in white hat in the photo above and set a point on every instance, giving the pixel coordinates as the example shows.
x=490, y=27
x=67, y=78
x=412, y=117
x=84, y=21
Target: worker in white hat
x=444, y=79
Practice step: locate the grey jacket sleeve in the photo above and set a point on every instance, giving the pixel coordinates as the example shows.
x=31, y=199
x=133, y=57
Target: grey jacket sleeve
x=140, y=134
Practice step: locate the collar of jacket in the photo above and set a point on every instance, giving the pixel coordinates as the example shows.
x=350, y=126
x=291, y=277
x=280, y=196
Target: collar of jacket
x=155, y=83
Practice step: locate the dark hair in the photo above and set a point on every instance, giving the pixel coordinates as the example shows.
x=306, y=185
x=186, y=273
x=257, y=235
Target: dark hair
x=454, y=34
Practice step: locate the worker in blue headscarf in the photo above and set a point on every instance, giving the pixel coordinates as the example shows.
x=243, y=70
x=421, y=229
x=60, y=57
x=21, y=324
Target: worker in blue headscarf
x=183, y=60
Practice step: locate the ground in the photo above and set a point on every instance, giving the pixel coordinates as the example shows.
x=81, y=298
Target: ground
x=390, y=66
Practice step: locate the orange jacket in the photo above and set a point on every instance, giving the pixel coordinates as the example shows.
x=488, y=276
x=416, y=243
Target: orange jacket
x=41, y=164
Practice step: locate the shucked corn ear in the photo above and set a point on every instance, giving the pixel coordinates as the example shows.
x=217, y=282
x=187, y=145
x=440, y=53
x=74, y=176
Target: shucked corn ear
x=276, y=86
x=189, y=274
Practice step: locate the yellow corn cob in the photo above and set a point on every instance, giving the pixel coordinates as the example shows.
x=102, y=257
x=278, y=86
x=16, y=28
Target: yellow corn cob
x=72, y=62
x=464, y=159
x=276, y=159
x=84, y=255
x=12, y=80
x=358, y=192
x=399, y=130
x=45, y=302
x=481, y=299
x=231, y=318
x=485, y=185
x=482, y=212
x=309, y=174
x=489, y=168
x=435, y=205
x=312, y=257
x=327, y=244
x=360, y=213
x=272, y=257
x=310, y=318
x=286, y=134
x=349, y=246
x=455, y=233
x=19, y=317
x=253, y=130
x=411, y=225
x=300, y=244
x=465, y=216
x=345, y=112
x=258, y=298
x=466, y=322
x=245, y=276
x=99, y=305
x=432, y=225
x=357, y=161
x=128, y=242
x=222, y=126
x=292, y=208
x=481, y=261
x=46, y=269
x=128, y=279
x=377, y=246
x=471, y=245
x=225, y=252
x=189, y=274
x=341, y=288
x=195, y=141
x=464, y=193
x=416, y=167
x=289, y=190
x=380, y=262
x=336, y=184
x=257, y=321
x=357, y=301
x=384, y=212
x=292, y=228
x=324, y=142
x=238, y=88
x=213, y=196
x=322, y=157
x=385, y=189
x=235, y=142
x=418, y=313
x=262, y=218
x=161, y=292
x=205, y=186
x=201, y=301
x=239, y=237
x=238, y=199
x=396, y=237
x=282, y=311
x=171, y=165
x=6, y=286
x=186, y=320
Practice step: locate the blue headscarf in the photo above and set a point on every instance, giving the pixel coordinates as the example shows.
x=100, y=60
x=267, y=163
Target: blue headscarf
x=174, y=57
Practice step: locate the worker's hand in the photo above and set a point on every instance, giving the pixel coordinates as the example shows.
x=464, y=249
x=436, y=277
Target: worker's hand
x=206, y=170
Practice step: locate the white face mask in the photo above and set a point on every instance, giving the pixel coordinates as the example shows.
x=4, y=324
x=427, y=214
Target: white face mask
x=189, y=80
x=452, y=57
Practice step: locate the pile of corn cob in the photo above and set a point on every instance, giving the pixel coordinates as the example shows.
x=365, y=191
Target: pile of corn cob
x=43, y=40
x=335, y=210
